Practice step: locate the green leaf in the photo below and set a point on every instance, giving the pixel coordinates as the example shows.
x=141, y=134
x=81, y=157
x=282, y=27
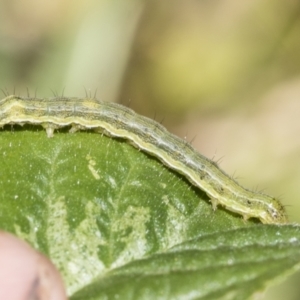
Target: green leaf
x=119, y=224
x=231, y=264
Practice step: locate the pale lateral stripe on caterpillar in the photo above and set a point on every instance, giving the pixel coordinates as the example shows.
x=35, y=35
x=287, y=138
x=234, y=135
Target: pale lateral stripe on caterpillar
x=118, y=121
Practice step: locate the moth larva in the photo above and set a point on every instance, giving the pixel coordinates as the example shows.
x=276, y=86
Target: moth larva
x=118, y=121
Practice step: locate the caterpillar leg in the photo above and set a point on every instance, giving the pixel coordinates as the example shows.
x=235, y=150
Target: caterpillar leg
x=214, y=202
x=50, y=129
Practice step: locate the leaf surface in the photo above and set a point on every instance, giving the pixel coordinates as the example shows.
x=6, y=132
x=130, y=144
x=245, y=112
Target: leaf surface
x=120, y=225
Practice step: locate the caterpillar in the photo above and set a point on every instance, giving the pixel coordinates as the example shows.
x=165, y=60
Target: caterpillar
x=147, y=135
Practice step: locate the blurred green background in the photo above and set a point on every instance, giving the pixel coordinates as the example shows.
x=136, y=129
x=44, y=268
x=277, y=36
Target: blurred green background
x=225, y=74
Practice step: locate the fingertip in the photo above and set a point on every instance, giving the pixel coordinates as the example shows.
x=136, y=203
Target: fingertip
x=25, y=273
